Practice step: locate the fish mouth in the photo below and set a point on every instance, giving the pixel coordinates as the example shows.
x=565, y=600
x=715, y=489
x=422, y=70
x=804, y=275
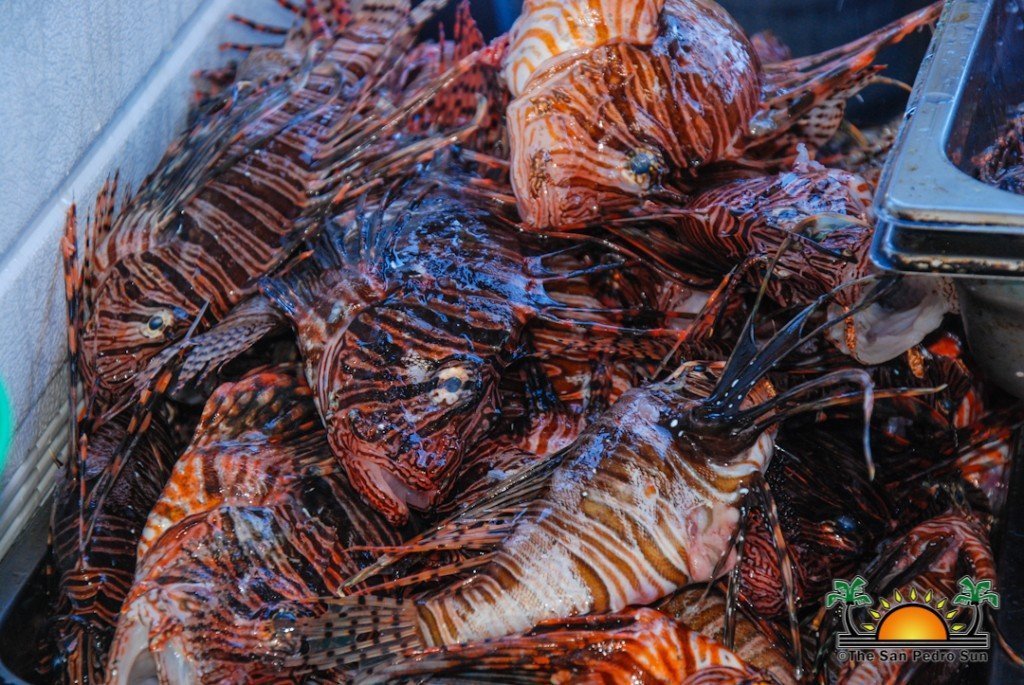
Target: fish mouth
x=417, y=476
x=135, y=661
x=895, y=323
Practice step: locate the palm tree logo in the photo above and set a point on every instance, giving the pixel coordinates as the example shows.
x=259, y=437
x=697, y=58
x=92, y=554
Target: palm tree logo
x=849, y=593
x=975, y=595
x=912, y=619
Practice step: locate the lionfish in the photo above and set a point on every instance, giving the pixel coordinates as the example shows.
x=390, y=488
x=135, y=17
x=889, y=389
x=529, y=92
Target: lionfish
x=254, y=516
x=94, y=568
x=817, y=221
x=240, y=188
x=645, y=501
x=616, y=103
x=407, y=316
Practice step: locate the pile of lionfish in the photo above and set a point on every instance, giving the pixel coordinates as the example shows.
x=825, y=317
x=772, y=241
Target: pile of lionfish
x=557, y=359
x=1002, y=163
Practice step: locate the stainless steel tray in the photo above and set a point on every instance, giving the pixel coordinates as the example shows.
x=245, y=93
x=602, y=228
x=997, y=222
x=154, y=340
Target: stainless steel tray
x=933, y=215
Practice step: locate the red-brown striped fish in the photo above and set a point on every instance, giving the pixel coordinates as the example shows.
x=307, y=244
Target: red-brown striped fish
x=624, y=648
x=817, y=221
x=255, y=515
x=407, y=318
x=631, y=101
x=111, y=479
x=93, y=578
x=644, y=502
x=704, y=610
x=227, y=201
x=744, y=222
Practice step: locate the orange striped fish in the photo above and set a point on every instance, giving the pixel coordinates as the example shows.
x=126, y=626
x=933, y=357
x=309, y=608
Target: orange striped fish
x=616, y=107
x=254, y=516
x=644, y=502
x=625, y=648
x=704, y=610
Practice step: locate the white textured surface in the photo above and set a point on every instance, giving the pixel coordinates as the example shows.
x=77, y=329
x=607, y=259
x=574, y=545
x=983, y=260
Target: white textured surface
x=65, y=68
x=86, y=86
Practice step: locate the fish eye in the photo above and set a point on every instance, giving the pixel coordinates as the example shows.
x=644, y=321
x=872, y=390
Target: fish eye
x=157, y=324
x=644, y=167
x=845, y=524
x=451, y=383
x=641, y=164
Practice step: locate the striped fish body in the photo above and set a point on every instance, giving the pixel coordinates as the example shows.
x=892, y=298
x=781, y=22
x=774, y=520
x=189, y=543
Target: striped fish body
x=407, y=372
x=626, y=648
x=727, y=225
x=622, y=120
x=93, y=582
x=633, y=513
x=620, y=110
x=223, y=205
x=250, y=520
x=704, y=610
x=256, y=438
x=548, y=30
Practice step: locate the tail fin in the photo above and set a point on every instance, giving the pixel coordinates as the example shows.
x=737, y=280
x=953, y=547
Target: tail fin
x=799, y=86
x=353, y=633
x=640, y=645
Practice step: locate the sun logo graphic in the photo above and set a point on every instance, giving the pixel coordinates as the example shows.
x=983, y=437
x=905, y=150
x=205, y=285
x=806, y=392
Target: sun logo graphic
x=912, y=619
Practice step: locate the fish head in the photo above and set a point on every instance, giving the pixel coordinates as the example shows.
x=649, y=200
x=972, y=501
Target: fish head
x=407, y=425
x=571, y=161
x=137, y=312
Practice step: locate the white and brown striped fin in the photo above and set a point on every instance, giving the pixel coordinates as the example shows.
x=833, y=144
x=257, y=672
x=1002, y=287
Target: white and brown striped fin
x=795, y=88
x=243, y=327
x=479, y=527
